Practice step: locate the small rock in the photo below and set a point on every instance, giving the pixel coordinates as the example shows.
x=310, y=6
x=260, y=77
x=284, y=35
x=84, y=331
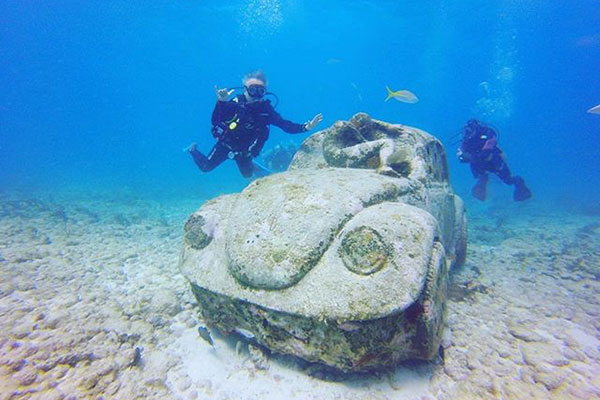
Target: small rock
x=481, y=379
x=580, y=368
x=88, y=382
x=184, y=383
x=103, y=367
x=52, y=395
x=112, y=388
x=551, y=380
x=527, y=374
x=124, y=357
x=46, y=365
x=526, y=335
x=536, y=354
x=473, y=364
x=15, y=365
x=21, y=331
x=572, y=354
x=504, y=368
x=258, y=357
x=456, y=371
x=504, y=353
x=496, y=387
x=39, y=316
x=579, y=392
x=52, y=321
x=57, y=373
x=592, y=353
x=25, y=376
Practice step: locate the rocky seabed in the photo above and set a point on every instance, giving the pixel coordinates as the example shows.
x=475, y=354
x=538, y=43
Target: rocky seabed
x=92, y=306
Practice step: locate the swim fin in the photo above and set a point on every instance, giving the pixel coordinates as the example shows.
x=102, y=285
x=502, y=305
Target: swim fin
x=479, y=191
x=190, y=148
x=522, y=192
x=259, y=171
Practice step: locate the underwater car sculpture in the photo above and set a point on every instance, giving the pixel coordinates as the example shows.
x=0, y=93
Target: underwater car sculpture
x=344, y=258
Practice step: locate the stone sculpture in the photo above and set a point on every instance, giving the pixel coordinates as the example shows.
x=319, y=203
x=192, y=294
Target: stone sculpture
x=344, y=258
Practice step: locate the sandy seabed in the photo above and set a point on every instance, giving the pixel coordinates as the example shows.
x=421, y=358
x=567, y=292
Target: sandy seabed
x=92, y=306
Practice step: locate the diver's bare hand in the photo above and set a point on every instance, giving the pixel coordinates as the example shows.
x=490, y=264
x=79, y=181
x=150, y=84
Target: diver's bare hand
x=223, y=94
x=313, y=122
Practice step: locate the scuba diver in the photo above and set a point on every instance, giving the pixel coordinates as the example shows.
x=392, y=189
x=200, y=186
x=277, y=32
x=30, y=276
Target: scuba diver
x=479, y=149
x=241, y=126
x=279, y=157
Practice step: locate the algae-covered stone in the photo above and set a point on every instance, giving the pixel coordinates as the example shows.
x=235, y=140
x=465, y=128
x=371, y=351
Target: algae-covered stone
x=343, y=259
x=364, y=251
x=194, y=235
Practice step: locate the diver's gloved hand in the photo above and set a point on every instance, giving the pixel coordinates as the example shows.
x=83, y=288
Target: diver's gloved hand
x=463, y=156
x=313, y=122
x=223, y=94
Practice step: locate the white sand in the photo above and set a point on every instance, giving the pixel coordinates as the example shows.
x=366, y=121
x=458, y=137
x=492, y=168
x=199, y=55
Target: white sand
x=84, y=281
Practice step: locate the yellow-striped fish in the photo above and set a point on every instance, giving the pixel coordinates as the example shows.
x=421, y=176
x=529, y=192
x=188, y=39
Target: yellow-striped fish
x=405, y=96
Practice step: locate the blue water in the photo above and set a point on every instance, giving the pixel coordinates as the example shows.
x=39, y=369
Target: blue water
x=104, y=95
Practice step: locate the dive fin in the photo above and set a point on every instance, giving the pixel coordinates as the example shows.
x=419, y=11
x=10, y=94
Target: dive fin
x=479, y=191
x=522, y=192
x=259, y=170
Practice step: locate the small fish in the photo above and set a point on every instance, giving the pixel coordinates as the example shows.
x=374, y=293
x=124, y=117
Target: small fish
x=137, y=357
x=245, y=333
x=594, y=110
x=333, y=60
x=239, y=347
x=205, y=334
x=405, y=96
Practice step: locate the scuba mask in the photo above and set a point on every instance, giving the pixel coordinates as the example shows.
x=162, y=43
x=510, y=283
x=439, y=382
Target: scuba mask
x=262, y=90
x=256, y=91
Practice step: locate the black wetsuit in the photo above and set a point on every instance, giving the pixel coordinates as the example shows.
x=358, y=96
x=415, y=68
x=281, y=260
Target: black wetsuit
x=241, y=129
x=479, y=149
x=482, y=160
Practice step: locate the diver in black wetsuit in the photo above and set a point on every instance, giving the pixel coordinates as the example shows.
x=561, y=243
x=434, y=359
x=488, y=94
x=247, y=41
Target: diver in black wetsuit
x=280, y=157
x=479, y=149
x=241, y=126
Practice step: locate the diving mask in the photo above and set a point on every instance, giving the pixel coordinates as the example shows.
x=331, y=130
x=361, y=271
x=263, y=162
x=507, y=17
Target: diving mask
x=256, y=91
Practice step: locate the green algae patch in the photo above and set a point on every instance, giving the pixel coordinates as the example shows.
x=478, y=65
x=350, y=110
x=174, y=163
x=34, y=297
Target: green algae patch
x=367, y=345
x=364, y=251
x=279, y=255
x=194, y=235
